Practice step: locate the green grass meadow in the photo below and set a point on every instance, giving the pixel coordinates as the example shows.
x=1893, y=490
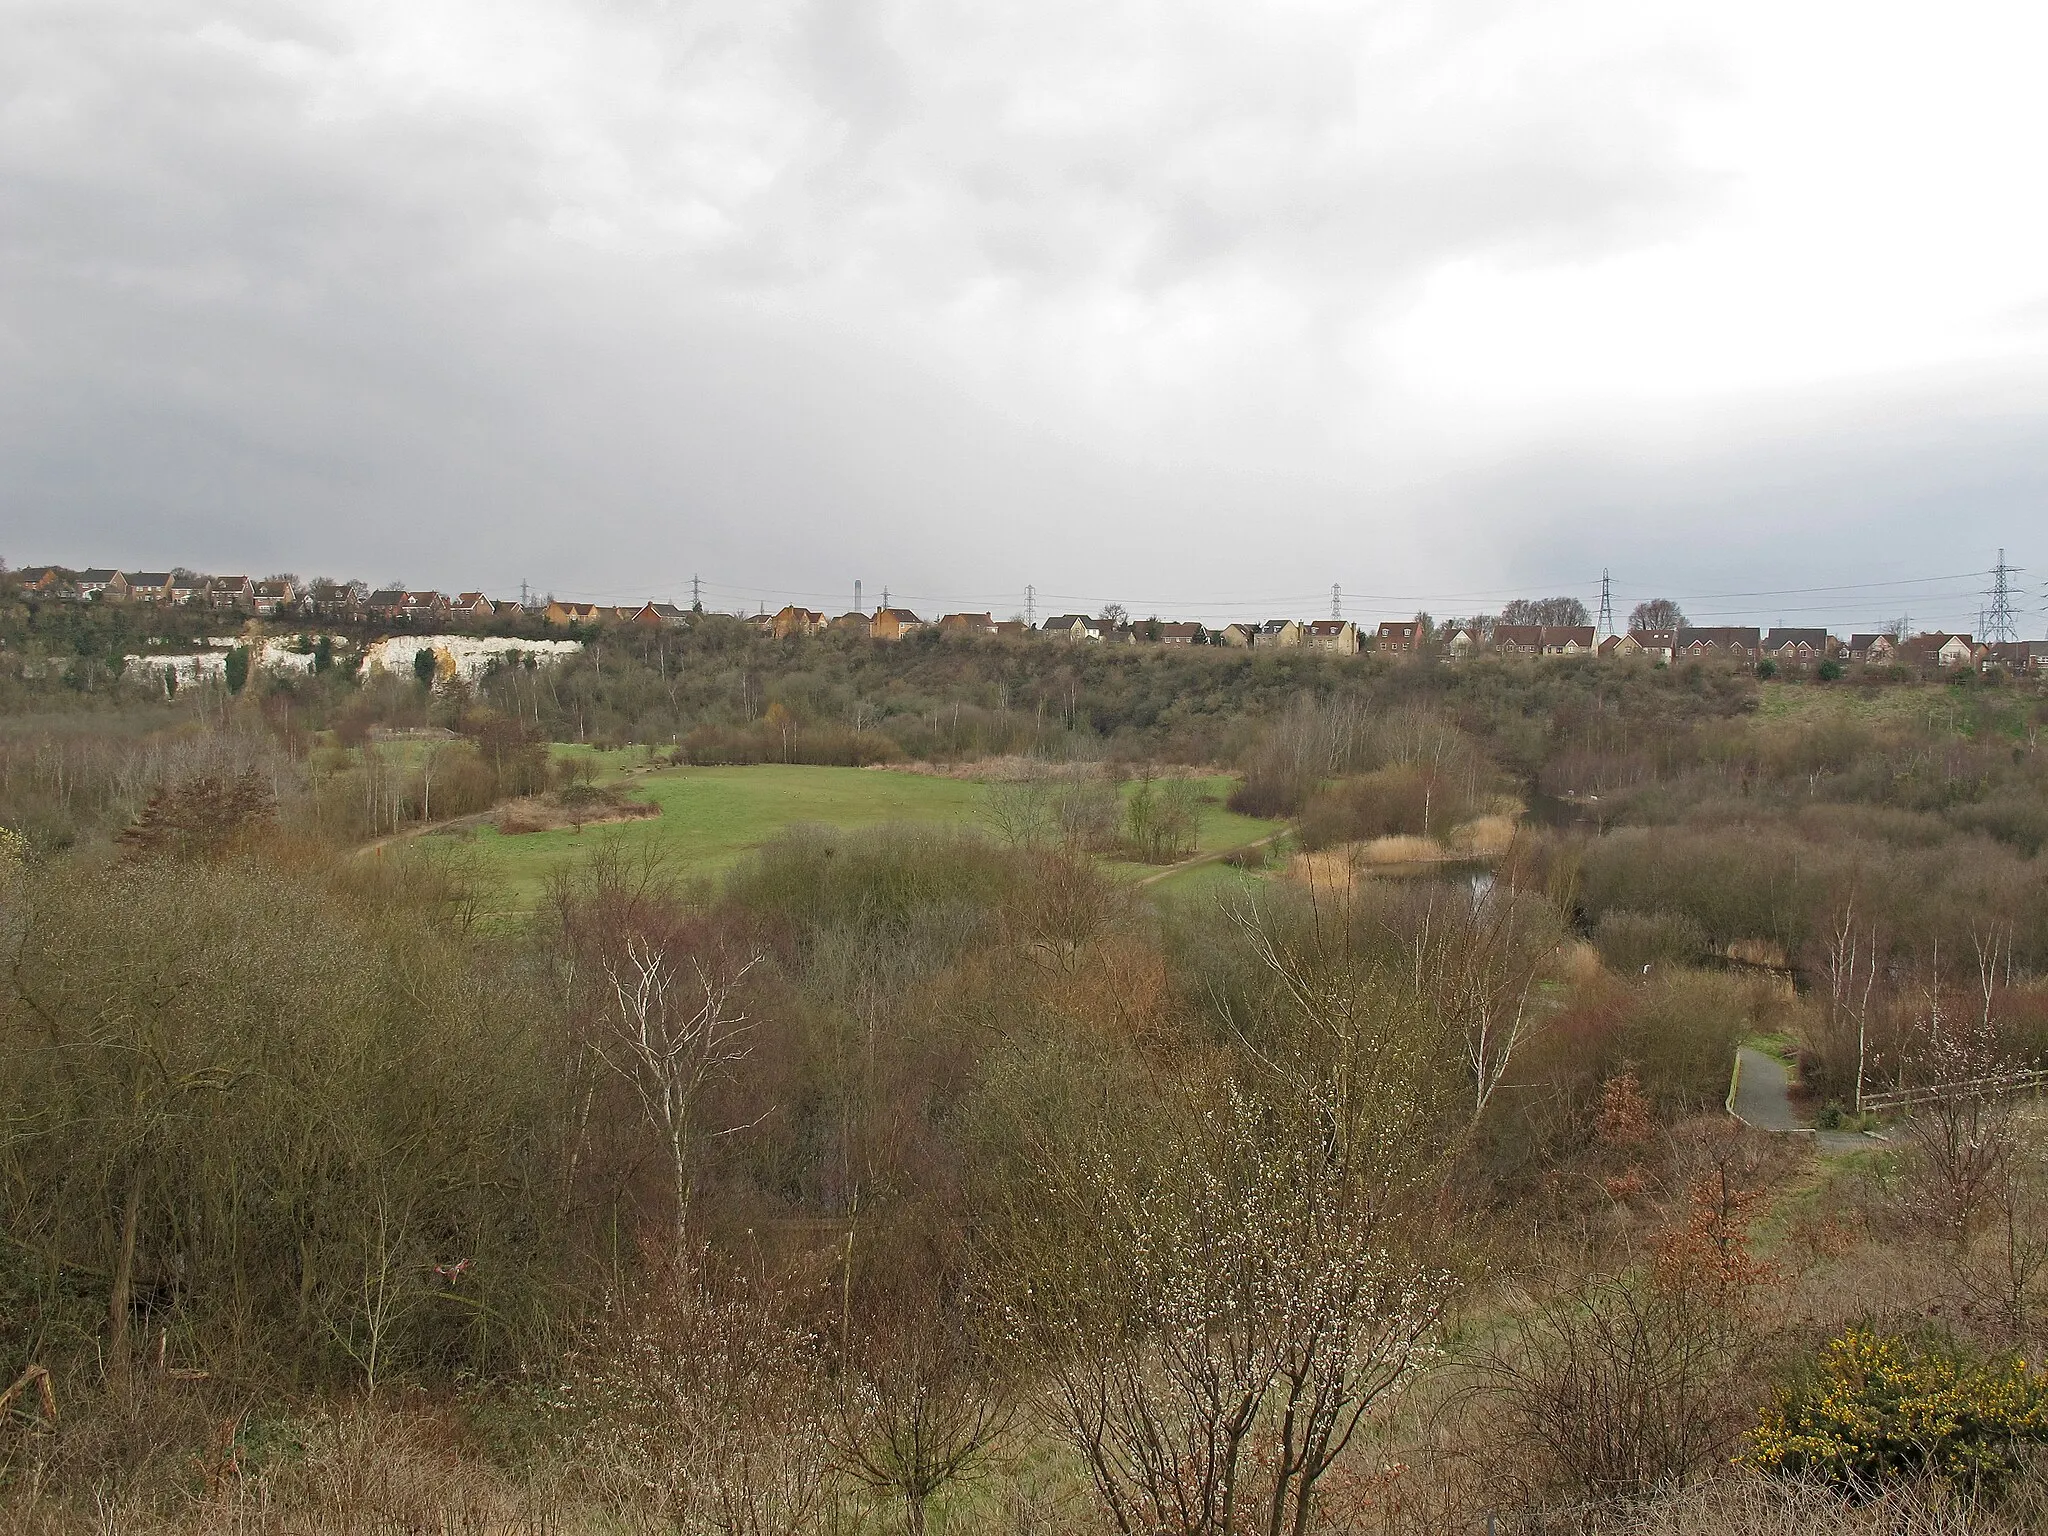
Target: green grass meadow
x=711, y=818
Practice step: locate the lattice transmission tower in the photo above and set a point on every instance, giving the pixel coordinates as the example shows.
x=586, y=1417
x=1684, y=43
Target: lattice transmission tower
x=1998, y=623
x=1606, y=606
x=1336, y=601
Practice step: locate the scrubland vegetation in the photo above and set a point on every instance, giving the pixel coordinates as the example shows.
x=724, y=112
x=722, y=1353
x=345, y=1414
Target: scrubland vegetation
x=934, y=1178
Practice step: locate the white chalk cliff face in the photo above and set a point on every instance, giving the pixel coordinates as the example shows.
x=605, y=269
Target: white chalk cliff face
x=464, y=656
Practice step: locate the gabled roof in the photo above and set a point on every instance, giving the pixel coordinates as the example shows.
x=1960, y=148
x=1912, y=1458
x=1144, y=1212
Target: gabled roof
x=1398, y=629
x=1329, y=626
x=1778, y=639
x=273, y=589
x=99, y=576
x=1066, y=621
x=150, y=579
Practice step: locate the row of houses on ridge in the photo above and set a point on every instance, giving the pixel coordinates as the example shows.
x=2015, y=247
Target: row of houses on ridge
x=1791, y=648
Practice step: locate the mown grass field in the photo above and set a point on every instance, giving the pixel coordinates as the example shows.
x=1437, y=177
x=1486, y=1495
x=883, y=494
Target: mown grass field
x=711, y=818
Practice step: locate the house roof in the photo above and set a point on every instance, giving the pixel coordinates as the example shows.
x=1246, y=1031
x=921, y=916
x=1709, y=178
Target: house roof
x=1777, y=639
x=1722, y=635
x=1329, y=626
x=273, y=589
x=1398, y=629
x=1177, y=630
x=1066, y=621
x=100, y=576
x=150, y=579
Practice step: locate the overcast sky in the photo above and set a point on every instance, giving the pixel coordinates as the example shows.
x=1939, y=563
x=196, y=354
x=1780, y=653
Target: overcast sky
x=1197, y=305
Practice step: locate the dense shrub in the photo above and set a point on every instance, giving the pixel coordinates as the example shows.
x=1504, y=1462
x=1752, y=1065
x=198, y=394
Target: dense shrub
x=1633, y=942
x=1880, y=1410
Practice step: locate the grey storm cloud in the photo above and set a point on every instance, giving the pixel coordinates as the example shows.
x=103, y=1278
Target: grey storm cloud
x=1120, y=298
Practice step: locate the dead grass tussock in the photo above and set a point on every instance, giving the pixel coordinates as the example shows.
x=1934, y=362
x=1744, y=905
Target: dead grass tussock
x=1483, y=837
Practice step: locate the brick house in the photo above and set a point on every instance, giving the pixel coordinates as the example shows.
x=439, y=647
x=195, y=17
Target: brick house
x=269, y=596
x=1724, y=642
x=652, y=615
x=1799, y=647
x=792, y=620
x=1938, y=651
x=968, y=624
x=150, y=586
x=40, y=579
x=2018, y=655
x=1872, y=650
x=893, y=624
x=1074, y=627
x=1181, y=634
x=1399, y=637
x=109, y=586
x=231, y=592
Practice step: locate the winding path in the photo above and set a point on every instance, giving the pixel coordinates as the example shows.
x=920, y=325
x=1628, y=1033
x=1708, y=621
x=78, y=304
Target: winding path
x=1209, y=858
x=1763, y=1100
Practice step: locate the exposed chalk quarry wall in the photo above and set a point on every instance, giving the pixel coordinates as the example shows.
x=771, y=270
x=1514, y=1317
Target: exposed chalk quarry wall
x=464, y=656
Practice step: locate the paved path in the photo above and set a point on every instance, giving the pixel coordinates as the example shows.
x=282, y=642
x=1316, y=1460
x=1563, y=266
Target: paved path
x=1763, y=1099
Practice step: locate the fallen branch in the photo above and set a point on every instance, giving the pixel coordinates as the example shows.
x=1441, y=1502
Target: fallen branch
x=40, y=1376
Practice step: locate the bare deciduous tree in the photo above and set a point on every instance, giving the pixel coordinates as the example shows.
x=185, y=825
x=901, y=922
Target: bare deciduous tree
x=670, y=1035
x=917, y=1410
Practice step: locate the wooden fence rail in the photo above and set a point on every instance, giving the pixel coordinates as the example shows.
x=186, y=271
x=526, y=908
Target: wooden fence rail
x=1975, y=1087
